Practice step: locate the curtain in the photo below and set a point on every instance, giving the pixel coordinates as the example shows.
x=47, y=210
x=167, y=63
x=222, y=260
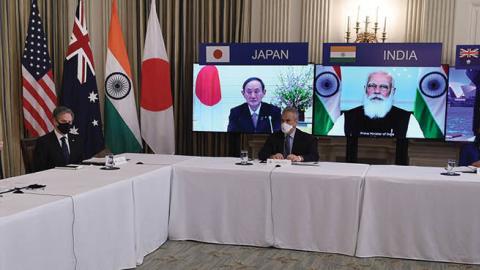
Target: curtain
x=185, y=24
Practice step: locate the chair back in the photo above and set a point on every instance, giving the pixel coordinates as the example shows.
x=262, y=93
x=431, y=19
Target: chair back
x=28, y=153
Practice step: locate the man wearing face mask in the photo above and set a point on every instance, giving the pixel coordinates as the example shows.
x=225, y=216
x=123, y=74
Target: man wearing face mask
x=290, y=143
x=59, y=147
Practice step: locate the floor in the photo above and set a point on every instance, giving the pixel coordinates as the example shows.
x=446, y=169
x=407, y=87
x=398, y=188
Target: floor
x=202, y=256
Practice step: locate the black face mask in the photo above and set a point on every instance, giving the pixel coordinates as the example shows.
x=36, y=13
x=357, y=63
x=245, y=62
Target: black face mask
x=64, y=127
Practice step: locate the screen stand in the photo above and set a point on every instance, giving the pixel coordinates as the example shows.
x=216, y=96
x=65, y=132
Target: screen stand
x=352, y=149
x=234, y=144
x=1, y=168
x=401, y=152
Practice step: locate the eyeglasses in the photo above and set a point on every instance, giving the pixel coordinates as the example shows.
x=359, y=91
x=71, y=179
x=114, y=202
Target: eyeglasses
x=383, y=87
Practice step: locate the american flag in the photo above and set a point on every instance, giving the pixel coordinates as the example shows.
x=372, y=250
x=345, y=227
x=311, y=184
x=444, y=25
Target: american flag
x=79, y=87
x=39, y=96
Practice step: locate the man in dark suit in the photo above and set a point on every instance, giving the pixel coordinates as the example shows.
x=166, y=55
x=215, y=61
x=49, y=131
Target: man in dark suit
x=254, y=116
x=290, y=143
x=59, y=147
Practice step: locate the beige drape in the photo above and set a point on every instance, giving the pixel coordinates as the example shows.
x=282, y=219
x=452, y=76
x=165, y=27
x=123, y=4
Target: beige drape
x=185, y=23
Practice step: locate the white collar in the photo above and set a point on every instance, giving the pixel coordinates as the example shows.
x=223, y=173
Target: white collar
x=257, y=111
x=292, y=135
x=60, y=135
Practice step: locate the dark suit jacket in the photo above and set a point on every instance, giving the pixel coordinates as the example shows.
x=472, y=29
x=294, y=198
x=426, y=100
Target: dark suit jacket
x=48, y=152
x=240, y=119
x=469, y=153
x=304, y=145
x=393, y=124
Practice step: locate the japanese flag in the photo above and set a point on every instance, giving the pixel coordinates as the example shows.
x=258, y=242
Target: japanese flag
x=217, y=54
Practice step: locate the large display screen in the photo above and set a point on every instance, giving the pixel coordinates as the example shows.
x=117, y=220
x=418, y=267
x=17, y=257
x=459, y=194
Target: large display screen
x=401, y=102
x=249, y=99
x=461, y=102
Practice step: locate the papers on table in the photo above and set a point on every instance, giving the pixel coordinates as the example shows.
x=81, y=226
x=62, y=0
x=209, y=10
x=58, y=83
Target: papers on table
x=465, y=169
x=70, y=167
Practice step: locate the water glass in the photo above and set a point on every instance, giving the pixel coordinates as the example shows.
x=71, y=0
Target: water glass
x=109, y=162
x=451, y=163
x=244, y=157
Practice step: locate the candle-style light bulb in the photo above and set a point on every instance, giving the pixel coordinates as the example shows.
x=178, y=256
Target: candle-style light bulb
x=376, y=17
x=348, y=24
x=385, y=24
x=358, y=13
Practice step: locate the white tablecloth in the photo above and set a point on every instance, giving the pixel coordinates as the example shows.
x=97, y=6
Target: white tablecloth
x=152, y=205
x=156, y=159
x=115, y=211
x=214, y=200
x=317, y=208
x=416, y=213
x=35, y=232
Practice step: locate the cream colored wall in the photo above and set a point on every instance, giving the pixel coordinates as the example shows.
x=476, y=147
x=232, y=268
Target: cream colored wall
x=450, y=22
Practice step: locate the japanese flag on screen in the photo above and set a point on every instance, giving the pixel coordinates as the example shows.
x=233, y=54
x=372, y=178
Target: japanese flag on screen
x=217, y=54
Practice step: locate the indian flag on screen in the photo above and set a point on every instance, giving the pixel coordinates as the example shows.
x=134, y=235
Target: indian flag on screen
x=430, y=101
x=326, y=108
x=343, y=54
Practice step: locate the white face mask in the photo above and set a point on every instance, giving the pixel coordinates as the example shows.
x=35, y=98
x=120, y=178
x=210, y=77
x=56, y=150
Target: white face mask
x=286, y=127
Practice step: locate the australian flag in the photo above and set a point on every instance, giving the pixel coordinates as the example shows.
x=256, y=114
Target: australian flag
x=79, y=87
x=467, y=57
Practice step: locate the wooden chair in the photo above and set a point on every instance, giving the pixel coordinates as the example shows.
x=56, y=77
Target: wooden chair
x=28, y=152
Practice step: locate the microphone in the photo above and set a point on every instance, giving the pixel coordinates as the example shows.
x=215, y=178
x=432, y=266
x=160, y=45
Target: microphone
x=271, y=125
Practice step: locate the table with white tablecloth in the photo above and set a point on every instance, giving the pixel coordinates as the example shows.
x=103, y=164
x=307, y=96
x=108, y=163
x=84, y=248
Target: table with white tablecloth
x=35, y=232
x=97, y=219
x=297, y=207
x=416, y=213
x=317, y=207
x=213, y=200
x=118, y=216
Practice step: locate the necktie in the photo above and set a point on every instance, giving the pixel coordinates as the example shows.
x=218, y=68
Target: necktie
x=255, y=119
x=286, y=146
x=66, y=154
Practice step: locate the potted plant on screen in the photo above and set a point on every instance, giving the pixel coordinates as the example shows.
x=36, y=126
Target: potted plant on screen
x=295, y=89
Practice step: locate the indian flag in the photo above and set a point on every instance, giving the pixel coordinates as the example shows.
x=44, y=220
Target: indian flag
x=343, y=54
x=122, y=132
x=326, y=108
x=429, y=108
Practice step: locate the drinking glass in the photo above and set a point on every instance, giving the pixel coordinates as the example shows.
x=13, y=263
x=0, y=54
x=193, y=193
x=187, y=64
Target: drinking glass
x=244, y=157
x=109, y=163
x=451, y=163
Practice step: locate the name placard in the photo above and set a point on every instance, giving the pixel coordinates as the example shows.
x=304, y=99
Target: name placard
x=382, y=54
x=292, y=53
x=467, y=57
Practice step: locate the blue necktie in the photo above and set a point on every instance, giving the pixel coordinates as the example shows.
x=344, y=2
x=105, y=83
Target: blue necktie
x=255, y=120
x=66, y=154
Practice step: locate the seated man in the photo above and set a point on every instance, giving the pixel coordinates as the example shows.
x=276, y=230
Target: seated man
x=58, y=148
x=254, y=116
x=290, y=143
x=378, y=117
x=470, y=153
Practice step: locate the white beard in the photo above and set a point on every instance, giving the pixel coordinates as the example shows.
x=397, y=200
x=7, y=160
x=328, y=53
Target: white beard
x=375, y=108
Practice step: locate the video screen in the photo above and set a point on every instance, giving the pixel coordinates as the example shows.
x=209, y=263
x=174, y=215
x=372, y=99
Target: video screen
x=400, y=102
x=460, y=104
x=249, y=99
